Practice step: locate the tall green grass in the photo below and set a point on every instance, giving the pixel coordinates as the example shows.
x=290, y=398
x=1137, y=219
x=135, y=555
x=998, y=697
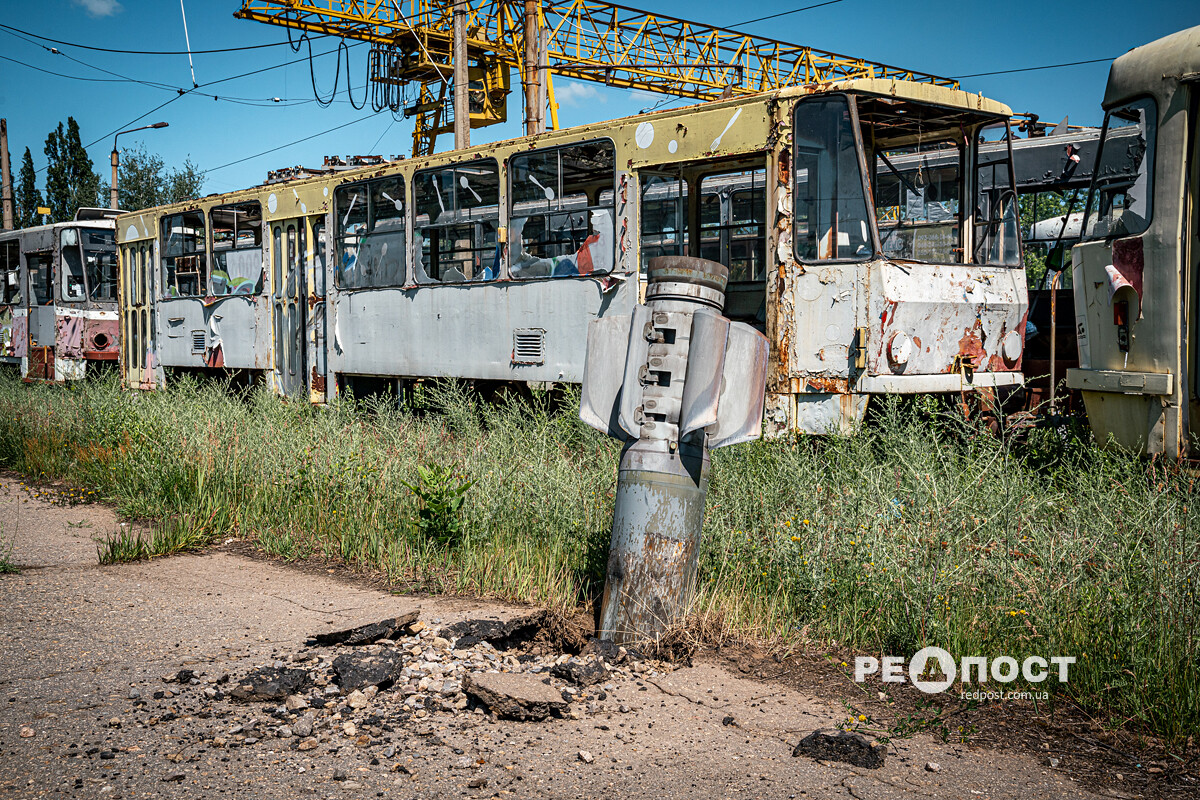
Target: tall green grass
x=920, y=530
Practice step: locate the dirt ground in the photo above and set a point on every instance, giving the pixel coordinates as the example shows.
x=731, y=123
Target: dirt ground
x=85, y=711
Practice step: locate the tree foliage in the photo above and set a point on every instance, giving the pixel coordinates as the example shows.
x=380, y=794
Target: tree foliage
x=71, y=183
x=144, y=180
x=28, y=198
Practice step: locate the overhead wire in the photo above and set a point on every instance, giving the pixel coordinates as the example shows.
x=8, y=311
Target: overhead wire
x=785, y=13
x=147, y=52
x=289, y=144
x=118, y=77
x=342, y=48
x=1034, y=69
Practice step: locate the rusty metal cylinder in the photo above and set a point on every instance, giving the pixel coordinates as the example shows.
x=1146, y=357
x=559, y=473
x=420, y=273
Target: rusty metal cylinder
x=663, y=479
x=655, y=548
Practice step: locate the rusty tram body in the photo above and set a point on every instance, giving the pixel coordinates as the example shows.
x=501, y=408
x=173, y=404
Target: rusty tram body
x=58, y=297
x=865, y=233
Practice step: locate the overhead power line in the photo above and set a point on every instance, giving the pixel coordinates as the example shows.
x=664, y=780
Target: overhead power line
x=143, y=52
x=289, y=144
x=1034, y=69
x=784, y=13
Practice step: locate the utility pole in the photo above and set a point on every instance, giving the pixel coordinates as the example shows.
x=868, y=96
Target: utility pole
x=115, y=158
x=462, y=108
x=531, y=83
x=112, y=186
x=6, y=176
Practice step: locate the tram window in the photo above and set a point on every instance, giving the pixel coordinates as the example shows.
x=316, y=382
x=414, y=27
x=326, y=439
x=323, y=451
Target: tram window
x=733, y=228
x=457, y=211
x=829, y=207
x=40, y=278
x=561, y=218
x=237, y=232
x=372, y=245
x=10, y=272
x=918, y=198
x=1119, y=202
x=100, y=263
x=72, y=265
x=664, y=220
x=997, y=240
x=318, y=234
x=183, y=254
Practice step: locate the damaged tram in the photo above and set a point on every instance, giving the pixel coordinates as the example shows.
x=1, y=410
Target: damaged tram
x=1137, y=270
x=58, y=297
x=865, y=234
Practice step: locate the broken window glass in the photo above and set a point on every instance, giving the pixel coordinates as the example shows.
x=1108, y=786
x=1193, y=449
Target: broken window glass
x=997, y=237
x=372, y=244
x=664, y=219
x=918, y=201
x=561, y=217
x=40, y=278
x=184, y=254
x=72, y=265
x=10, y=272
x=1119, y=202
x=100, y=263
x=457, y=211
x=829, y=206
x=733, y=228
x=237, y=249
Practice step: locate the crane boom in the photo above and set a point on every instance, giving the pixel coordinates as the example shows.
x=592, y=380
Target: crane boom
x=584, y=39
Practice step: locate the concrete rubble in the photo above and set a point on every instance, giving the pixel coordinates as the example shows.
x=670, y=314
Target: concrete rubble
x=357, y=690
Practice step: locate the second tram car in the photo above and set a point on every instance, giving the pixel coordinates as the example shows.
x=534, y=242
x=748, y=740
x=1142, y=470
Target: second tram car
x=58, y=297
x=867, y=233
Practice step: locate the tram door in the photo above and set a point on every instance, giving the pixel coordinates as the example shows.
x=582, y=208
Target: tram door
x=39, y=267
x=289, y=260
x=137, y=314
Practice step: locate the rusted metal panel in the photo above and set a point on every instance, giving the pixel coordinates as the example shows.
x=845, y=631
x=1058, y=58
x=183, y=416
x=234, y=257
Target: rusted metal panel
x=929, y=319
x=41, y=364
x=68, y=339
x=20, y=334
x=7, y=332
x=231, y=332
x=824, y=330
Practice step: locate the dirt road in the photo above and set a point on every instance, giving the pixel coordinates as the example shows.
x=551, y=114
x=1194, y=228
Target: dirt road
x=85, y=711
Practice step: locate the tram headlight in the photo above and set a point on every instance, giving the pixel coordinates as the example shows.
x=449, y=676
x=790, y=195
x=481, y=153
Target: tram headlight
x=899, y=351
x=1010, y=347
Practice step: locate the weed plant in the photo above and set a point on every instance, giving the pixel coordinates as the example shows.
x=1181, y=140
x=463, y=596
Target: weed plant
x=919, y=530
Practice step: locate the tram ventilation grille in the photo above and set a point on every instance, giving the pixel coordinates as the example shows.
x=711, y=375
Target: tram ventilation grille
x=529, y=346
x=198, y=341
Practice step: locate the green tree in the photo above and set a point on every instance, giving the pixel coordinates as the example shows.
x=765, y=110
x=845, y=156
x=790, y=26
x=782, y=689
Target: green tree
x=144, y=181
x=71, y=182
x=183, y=183
x=28, y=197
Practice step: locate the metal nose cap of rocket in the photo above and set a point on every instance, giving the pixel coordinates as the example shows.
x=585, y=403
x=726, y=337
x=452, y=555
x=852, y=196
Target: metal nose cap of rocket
x=687, y=278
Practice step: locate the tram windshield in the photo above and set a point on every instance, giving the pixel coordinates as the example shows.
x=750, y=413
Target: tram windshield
x=916, y=195
x=1119, y=200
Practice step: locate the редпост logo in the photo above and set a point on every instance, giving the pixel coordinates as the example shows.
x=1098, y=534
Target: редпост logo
x=1004, y=669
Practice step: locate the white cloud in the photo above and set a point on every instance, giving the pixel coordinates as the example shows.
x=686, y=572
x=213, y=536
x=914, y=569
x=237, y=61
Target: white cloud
x=575, y=93
x=99, y=8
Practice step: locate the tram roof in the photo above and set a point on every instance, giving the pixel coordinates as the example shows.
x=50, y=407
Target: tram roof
x=1137, y=72
x=892, y=92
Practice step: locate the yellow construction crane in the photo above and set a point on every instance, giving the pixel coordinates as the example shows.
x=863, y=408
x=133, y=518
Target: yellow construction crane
x=413, y=43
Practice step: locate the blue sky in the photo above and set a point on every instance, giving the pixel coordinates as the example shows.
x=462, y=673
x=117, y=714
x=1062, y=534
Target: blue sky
x=940, y=38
